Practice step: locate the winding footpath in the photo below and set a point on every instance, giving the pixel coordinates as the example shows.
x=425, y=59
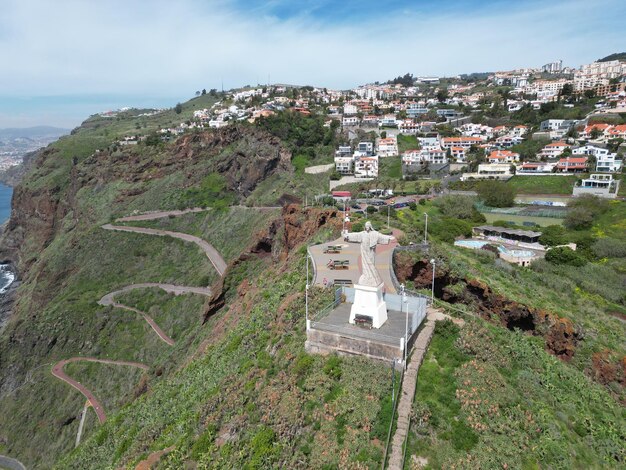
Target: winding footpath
x=11, y=464
x=109, y=299
x=58, y=372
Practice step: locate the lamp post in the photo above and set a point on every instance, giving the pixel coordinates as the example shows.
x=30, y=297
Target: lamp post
x=406, y=326
x=426, y=228
x=306, y=291
x=432, y=290
x=388, y=209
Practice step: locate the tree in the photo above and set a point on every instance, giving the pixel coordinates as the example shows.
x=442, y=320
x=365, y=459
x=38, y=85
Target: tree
x=204, y=91
x=496, y=193
x=567, y=90
x=578, y=218
x=442, y=95
x=197, y=92
x=595, y=133
x=178, y=108
x=459, y=207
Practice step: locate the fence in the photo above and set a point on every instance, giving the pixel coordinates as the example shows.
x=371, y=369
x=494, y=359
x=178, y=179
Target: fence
x=392, y=268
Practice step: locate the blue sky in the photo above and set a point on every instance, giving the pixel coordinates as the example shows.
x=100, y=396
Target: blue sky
x=63, y=60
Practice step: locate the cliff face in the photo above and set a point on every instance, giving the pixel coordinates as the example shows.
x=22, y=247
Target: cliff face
x=66, y=262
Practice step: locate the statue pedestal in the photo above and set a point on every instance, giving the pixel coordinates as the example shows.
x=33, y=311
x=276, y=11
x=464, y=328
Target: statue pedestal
x=369, y=301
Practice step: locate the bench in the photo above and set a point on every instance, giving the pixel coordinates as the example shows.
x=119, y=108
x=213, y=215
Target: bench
x=338, y=264
x=364, y=321
x=342, y=282
x=333, y=249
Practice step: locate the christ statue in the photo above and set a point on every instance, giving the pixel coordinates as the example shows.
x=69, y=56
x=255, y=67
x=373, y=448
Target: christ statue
x=368, y=239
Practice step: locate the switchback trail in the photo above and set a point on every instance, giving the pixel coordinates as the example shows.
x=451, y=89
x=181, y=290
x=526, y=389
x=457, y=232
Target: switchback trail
x=58, y=372
x=214, y=256
x=11, y=464
x=109, y=299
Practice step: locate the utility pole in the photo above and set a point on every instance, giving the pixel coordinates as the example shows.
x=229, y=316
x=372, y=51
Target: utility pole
x=426, y=228
x=306, y=291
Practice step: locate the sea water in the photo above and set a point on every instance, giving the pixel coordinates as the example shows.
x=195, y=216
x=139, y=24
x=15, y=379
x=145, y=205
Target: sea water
x=6, y=276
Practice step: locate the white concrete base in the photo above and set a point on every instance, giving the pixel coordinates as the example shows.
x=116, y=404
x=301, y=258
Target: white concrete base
x=369, y=301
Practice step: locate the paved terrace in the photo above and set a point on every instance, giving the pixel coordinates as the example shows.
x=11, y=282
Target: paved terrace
x=352, y=253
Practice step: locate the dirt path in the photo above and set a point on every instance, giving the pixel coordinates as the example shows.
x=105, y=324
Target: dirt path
x=175, y=213
x=214, y=256
x=59, y=373
x=109, y=299
x=11, y=464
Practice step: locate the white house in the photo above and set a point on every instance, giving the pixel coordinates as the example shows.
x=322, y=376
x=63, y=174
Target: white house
x=500, y=171
x=344, y=164
x=350, y=121
x=553, y=150
x=366, y=147
x=349, y=109
x=598, y=185
x=388, y=120
x=366, y=167
x=387, y=147
x=608, y=163
x=503, y=156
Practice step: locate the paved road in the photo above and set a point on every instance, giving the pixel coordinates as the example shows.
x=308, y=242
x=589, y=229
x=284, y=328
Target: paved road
x=11, y=464
x=58, y=372
x=109, y=299
x=214, y=256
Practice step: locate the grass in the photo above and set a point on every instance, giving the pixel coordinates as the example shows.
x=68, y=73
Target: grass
x=491, y=398
x=407, y=142
x=544, y=184
x=390, y=167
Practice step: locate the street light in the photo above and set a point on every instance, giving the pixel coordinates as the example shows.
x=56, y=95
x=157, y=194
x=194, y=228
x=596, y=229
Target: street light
x=306, y=291
x=388, y=207
x=432, y=290
x=406, y=326
x=426, y=228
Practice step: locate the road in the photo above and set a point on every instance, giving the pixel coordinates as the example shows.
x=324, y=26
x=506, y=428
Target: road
x=59, y=373
x=109, y=300
x=212, y=254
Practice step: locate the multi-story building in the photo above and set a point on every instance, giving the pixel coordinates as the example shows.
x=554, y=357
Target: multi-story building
x=350, y=120
x=366, y=167
x=465, y=142
x=366, y=148
x=503, y=156
x=344, y=164
x=598, y=185
x=349, y=109
x=572, y=165
x=553, y=67
x=535, y=167
x=598, y=73
x=387, y=147
x=608, y=163
x=553, y=150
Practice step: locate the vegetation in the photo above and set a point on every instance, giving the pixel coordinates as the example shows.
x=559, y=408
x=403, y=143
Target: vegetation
x=496, y=193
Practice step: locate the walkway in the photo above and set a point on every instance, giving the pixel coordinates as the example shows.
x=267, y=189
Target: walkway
x=214, y=256
x=108, y=299
x=11, y=464
x=352, y=253
x=409, y=384
x=58, y=372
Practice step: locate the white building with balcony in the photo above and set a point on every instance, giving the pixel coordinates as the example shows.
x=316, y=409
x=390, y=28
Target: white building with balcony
x=597, y=185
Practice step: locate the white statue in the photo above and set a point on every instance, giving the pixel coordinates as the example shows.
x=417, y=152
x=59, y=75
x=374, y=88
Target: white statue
x=368, y=292
x=368, y=238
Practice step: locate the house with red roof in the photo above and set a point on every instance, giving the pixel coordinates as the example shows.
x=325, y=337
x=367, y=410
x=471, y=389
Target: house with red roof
x=572, y=165
x=503, y=156
x=553, y=150
x=465, y=142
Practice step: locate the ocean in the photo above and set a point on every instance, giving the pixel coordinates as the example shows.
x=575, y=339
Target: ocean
x=6, y=276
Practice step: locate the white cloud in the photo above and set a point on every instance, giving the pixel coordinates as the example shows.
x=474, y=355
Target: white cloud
x=165, y=48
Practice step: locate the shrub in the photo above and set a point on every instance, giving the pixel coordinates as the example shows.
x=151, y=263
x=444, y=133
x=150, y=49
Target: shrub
x=371, y=209
x=565, y=255
x=594, y=204
x=578, y=218
x=332, y=368
x=457, y=207
x=422, y=202
x=357, y=227
x=412, y=206
x=552, y=235
x=609, y=248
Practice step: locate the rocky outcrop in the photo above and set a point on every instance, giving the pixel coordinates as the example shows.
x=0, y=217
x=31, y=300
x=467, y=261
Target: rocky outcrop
x=560, y=334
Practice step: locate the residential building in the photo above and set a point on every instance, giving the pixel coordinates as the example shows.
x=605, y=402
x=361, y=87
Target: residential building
x=366, y=167
x=367, y=148
x=350, y=121
x=572, y=165
x=388, y=120
x=387, y=147
x=432, y=155
x=343, y=150
x=598, y=73
x=598, y=185
x=408, y=126
x=458, y=153
x=553, y=67
x=349, y=109
x=535, y=167
x=608, y=163
x=553, y=150
x=503, y=156
x=344, y=164
x=465, y=142
x=500, y=171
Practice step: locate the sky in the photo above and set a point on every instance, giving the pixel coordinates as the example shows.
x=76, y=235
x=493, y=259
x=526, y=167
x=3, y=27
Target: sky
x=63, y=60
